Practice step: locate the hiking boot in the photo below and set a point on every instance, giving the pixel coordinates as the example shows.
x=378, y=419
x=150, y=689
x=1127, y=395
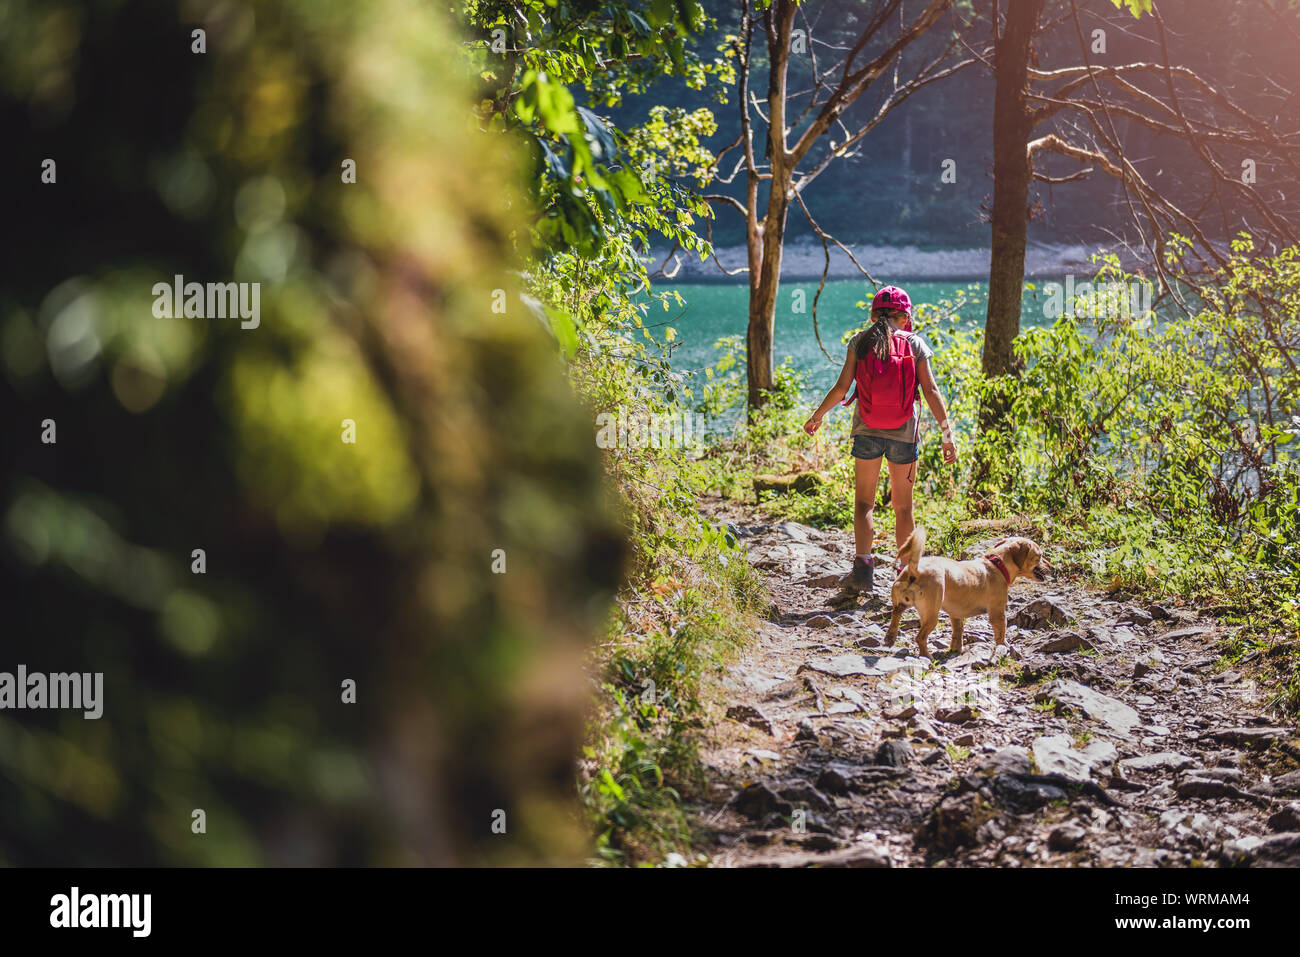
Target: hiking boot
x=862, y=578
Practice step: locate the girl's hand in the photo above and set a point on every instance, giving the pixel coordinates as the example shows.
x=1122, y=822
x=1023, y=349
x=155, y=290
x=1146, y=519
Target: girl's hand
x=813, y=424
x=949, y=445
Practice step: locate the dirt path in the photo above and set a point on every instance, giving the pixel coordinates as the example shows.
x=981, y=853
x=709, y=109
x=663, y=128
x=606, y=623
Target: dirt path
x=1108, y=737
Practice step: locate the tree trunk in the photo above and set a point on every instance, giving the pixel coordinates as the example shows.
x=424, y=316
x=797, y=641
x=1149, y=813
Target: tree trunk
x=763, y=288
x=1012, y=125
x=766, y=238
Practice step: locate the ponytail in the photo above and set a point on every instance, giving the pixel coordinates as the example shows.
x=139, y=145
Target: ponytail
x=876, y=338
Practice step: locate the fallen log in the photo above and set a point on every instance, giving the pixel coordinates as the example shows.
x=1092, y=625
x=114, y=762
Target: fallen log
x=801, y=482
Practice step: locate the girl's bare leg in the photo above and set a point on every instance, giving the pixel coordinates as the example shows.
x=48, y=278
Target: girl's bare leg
x=866, y=476
x=901, y=480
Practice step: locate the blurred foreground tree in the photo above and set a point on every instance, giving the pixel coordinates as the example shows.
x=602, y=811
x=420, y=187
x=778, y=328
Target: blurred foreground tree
x=390, y=302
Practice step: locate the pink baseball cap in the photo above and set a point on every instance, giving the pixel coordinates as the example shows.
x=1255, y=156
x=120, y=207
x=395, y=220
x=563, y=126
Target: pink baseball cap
x=891, y=297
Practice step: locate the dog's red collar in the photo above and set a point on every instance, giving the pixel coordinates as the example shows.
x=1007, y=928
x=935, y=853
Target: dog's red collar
x=997, y=563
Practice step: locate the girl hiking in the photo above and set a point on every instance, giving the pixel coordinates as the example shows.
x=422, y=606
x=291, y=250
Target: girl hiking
x=889, y=363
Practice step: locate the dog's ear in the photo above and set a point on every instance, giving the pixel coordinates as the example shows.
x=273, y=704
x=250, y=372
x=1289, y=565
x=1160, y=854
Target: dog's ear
x=1021, y=553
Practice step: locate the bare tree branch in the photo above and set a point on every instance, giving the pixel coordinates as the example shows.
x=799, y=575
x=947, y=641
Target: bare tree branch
x=826, y=239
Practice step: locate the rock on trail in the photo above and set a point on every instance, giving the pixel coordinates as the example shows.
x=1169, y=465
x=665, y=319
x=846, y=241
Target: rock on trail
x=1102, y=736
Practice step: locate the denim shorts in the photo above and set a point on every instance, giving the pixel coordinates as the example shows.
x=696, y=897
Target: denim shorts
x=873, y=446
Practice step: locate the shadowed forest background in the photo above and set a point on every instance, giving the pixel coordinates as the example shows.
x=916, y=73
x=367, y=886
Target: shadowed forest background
x=537, y=627
x=892, y=192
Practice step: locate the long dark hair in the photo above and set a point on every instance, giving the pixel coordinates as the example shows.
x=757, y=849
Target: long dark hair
x=876, y=338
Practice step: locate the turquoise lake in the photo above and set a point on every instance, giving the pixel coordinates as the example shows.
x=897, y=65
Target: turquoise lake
x=712, y=311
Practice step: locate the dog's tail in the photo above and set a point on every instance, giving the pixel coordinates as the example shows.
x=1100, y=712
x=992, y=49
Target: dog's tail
x=914, y=548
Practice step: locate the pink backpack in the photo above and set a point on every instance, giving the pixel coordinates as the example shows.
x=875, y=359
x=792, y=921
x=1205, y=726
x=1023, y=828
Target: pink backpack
x=886, y=390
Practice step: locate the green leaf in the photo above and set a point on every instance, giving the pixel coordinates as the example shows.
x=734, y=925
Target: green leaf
x=1135, y=7
x=690, y=14
x=565, y=330
x=610, y=786
x=677, y=52
x=526, y=102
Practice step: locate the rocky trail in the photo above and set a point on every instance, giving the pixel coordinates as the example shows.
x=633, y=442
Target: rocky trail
x=1108, y=736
